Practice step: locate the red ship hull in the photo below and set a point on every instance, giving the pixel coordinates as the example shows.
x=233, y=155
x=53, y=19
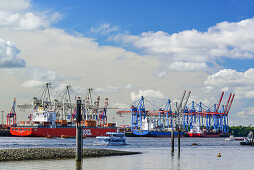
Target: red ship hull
x=195, y=134
x=60, y=131
x=208, y=135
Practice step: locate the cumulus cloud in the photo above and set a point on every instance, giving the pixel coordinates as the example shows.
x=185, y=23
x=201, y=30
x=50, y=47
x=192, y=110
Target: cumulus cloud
x=161, y=74
x=187, y=66
x=231, y=80
x=149, y=94
x=108, y=89
x=17, y=15
x=26, y=20
x=10, y=55
x=104, y=29
x=225, y=39
x=129, y=86
x=246, y=113
x=33, y=83
x=38, y=77
x=14, y=5
x=114, y=89
x=120, y=106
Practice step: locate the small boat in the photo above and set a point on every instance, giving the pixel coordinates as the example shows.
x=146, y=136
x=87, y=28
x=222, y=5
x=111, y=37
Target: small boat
x=113, y=138
x=50, y=137
x=239, y=138
x=67, y=136
x=248, y=140
x=231, y=138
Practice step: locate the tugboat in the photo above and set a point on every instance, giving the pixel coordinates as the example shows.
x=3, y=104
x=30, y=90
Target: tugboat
x=248, y=140
x=114, y=138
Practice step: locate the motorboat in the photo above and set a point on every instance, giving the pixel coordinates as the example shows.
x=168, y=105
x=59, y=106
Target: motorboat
x=112, y=138
x=248, y=140
x=231, y=138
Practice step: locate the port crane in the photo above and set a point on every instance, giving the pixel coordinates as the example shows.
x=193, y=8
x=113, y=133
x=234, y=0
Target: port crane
x=211, y=118
x=11, y=117
x=183, y=116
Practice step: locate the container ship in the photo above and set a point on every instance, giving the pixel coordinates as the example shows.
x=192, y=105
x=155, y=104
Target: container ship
x=44, y=124
x=58, y=119
x=155, y=133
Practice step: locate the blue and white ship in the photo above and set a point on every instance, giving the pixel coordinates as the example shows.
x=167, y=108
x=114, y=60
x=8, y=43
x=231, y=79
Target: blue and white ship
x=114, y=138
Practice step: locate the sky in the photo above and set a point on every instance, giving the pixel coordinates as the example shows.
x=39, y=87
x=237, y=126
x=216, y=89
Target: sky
x=125, y=49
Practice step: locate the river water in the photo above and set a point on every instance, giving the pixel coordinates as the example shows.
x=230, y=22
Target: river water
x=156, y=154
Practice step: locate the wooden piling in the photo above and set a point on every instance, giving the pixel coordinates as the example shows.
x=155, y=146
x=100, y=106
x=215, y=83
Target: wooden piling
x=79, y=132
x=179, y=142
x=172, y=141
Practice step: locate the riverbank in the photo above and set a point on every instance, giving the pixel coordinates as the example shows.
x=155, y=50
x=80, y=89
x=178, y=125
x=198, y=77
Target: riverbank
x=55, y=153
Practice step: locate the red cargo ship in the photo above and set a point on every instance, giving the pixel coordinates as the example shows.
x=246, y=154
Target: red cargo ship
x=57, y=119
x=59, y=131
x=44, y=124
x=197, y=132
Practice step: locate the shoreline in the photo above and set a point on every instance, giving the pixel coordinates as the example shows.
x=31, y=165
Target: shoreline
x=22, y=154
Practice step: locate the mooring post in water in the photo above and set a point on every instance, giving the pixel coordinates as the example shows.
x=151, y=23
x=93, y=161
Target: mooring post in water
x=79, y=139
x=172, y=140
x=179, y=140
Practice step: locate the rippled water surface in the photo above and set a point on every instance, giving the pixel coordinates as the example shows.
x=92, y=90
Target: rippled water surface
x=156, y=154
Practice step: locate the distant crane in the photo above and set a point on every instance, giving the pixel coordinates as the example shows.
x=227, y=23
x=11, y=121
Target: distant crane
x=11, y=117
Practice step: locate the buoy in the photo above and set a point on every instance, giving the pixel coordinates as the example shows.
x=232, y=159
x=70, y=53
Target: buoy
x=219, y=155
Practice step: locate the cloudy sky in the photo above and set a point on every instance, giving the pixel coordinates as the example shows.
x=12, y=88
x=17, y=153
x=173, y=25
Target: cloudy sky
x=125, y=49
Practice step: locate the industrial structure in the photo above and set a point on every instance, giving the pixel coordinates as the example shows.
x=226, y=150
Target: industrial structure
x=11, y=117
x=65, y=108
x=186, y=117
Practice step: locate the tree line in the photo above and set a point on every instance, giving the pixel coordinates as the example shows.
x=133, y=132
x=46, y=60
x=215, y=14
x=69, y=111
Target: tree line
x=241, y=131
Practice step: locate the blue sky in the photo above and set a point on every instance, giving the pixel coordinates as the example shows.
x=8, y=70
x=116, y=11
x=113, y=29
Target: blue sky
x=146, y=15
x=140, y=16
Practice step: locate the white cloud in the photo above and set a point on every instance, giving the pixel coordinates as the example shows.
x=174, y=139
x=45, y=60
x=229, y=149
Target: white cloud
x=161, y=74
x=25, y=21
x=120, y=106
x=38, y=77
x=231, y=80
x=47, y=75
x=246, y=113
x=187, y=66
x=149, y=94
x=17, y=15
x=114, y=89
x=104, y=29
x=10, y=55
x=14, y=5
x=33, y=84
x=231, y=40
x=129, y=86
x=108, y=89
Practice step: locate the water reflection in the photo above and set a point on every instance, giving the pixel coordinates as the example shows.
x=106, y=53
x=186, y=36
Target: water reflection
x=79, y=165
x=175, y=163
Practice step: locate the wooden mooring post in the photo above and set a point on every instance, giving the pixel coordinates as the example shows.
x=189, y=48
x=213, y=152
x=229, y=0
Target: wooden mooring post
x=79, y=132
x=172, y=141
x=179, y=142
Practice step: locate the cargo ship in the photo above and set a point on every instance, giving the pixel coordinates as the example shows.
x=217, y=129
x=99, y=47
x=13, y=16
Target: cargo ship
x=197, y=132
x=155, y=133
x=44, y=124
x=58, y=119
